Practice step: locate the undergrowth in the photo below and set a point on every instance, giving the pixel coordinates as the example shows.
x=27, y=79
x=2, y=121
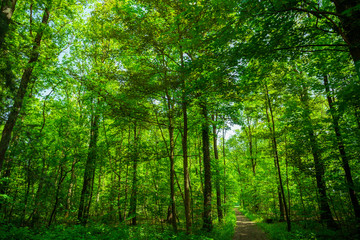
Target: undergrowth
x=301, y=230
x=105, y=232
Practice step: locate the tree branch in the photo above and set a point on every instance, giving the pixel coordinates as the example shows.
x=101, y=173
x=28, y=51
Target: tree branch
x=312, y=45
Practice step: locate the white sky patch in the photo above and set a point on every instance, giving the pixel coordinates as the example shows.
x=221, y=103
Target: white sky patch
x=232, y=131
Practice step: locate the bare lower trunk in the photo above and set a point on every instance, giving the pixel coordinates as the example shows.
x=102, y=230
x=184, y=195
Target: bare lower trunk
x=325, y=212
x=133, y=196
x=187, y=200
x=271, y=122
x=172, y=174
x=217, y=182
x=344, y=157
x=224, y=156
x=207, y=221
x=89, y=174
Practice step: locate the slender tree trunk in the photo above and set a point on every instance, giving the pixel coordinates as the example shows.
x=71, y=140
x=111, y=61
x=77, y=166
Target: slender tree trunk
x=18, y=101
x=57, y=199
x=344, y=157
x=172, y=162
x=184, y=103
x=281, y=203
x=126, y=190
x=217, y=182
x=207, y=221
x=224, y=157
x=276, y=157
x=198, y=148
x=287, y=176
x=89, y=174
x=133, y=196
x=253, y=161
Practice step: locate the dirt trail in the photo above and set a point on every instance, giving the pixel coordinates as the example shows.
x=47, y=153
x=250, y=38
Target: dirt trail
x=246, y=229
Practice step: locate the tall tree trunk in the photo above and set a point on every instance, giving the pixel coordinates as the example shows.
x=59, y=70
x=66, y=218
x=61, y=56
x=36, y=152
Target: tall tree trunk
x=224, y=156
x=276, y=157
x=57, y=198
x=184, y=103
x=252, y=159
x=89, y=174
x=217, y=179
x=198, y=149
x=134, y=187
x=18, y=101
x=281, y=203
x=126, y=190
x=344, y=157
x=207, y=221
x=172, y=162
x=325, y=212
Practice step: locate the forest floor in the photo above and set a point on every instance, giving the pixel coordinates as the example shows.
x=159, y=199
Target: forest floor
x=246, y=229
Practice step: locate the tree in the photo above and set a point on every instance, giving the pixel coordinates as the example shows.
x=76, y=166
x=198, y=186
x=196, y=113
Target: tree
x=25, y=80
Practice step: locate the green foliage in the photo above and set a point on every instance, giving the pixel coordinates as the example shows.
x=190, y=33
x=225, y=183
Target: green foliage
x=258, y=66
x=106, y=232
x=304, y=230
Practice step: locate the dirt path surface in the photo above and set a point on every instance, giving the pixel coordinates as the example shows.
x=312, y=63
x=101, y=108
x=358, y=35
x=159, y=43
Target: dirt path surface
x=246, y=229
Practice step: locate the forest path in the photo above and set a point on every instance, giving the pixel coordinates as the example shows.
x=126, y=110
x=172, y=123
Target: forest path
x=246, y=229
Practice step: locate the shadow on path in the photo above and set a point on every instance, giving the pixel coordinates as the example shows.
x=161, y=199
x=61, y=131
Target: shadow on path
x=246, y=229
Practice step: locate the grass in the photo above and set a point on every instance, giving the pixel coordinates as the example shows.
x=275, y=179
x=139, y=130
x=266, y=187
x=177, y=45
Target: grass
x=309, y=230
x=221, y=231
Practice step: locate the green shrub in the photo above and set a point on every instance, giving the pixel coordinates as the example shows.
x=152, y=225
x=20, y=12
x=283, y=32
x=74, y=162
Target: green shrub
x=221, y=231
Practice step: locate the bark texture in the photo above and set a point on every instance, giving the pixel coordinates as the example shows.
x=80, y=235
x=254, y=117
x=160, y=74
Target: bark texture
x=344, y=157
x=89, y=174
x=207, y=221
x=18, y=101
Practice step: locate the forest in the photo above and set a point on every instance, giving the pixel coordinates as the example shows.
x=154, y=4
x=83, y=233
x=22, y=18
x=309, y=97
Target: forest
x=154, y=119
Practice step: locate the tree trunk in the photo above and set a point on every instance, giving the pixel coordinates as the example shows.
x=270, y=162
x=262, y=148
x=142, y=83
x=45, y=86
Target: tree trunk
x=172, y=163
x=224, y=156
x=281, y=204
x=217, y=182
x=133, y=196
x=18, y=101
x=207, y=221
x=325, y=212
x=57, y=198
x=276, y=157
x=351, y=27
x=184, y=103
x=7, y=10
x=89, y=174
x=344, y=157
x=253, y=161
